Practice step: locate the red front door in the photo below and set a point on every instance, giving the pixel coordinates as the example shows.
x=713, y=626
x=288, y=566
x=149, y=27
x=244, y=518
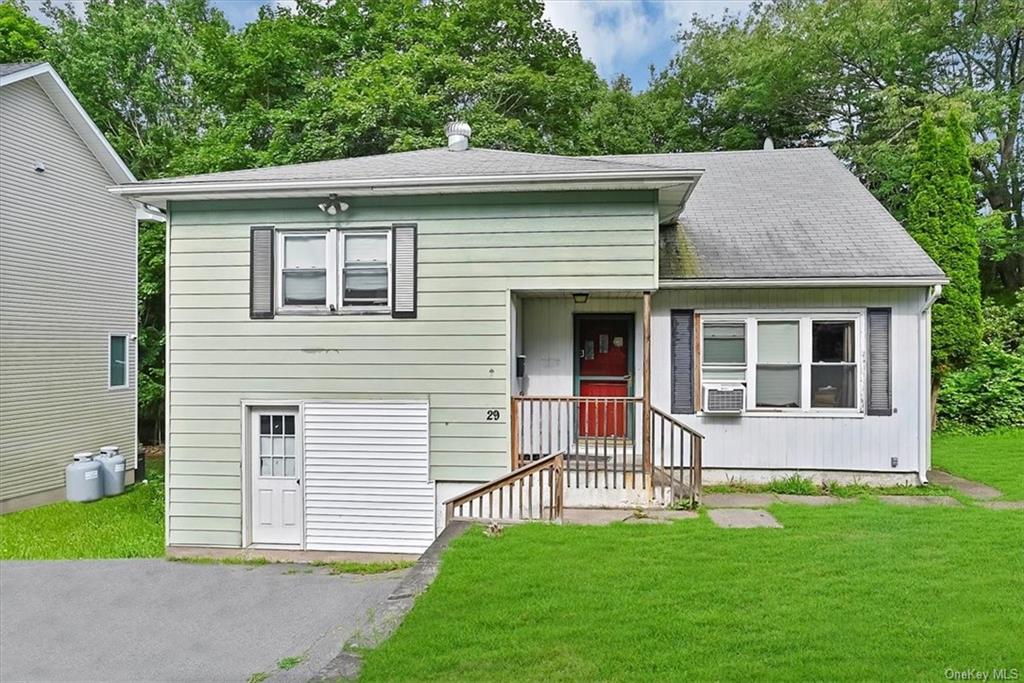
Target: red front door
x=603, y=349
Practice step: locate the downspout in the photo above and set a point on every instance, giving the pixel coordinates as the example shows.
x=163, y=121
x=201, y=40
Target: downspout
x=925, y=384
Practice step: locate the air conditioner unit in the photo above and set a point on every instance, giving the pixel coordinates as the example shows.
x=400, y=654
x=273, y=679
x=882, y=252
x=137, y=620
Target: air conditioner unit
x=724, y=399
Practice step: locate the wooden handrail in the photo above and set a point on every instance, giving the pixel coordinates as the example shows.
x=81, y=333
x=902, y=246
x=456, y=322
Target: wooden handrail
x=555, y=463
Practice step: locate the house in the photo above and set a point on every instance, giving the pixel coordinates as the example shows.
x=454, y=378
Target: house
x=353, y=343
x=67, y=289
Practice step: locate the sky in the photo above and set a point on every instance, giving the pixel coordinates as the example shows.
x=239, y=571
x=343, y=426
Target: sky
x=619, y=36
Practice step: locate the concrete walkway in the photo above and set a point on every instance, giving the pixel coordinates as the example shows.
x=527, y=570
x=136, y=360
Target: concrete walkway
x=155, y=620
x=972, y=489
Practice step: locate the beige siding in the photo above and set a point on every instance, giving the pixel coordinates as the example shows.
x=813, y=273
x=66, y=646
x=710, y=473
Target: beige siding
x=472, y=251
x=67, y=281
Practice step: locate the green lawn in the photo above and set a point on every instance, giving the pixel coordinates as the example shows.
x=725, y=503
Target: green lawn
x=129, y=525
x=996, y=459
x=855, y=592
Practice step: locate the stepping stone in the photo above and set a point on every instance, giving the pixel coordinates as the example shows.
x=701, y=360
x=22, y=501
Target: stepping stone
x=972, y=489
x=594, y=516
x=737, y=500
x=1004, y=505
x=920, y=501
x=814, y=501
x=742, y=518
x=646, y=520
x=661, y=513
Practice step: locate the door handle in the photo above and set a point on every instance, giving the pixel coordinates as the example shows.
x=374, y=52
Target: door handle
x=298, y=481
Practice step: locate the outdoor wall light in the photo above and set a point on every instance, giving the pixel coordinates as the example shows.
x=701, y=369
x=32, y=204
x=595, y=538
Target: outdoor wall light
x=333, y=206
x=580, y=297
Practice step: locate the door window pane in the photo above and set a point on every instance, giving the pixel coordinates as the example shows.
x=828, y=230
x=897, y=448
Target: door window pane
x=305, y=251
x=118, y=361
x=289, y=467
x=832, y=342
x=834, y=386
x=302, y=288
x=724, y=343
x=265, y=467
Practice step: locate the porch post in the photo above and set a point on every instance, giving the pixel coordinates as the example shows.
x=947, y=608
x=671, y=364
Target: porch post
x=648, y=459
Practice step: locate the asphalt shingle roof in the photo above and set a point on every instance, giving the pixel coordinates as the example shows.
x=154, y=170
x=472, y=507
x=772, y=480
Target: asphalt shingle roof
x=788, y=213
x=419, y=164
x=8, y=69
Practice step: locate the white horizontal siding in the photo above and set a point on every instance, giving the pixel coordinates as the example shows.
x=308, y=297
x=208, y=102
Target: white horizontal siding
x=67, y=281
x=367, y=486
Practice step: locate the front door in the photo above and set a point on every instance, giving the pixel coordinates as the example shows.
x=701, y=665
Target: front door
x=604, y=370
x=276, y=468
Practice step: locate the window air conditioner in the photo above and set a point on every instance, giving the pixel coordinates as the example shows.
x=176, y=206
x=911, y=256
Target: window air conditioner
x=724, y=399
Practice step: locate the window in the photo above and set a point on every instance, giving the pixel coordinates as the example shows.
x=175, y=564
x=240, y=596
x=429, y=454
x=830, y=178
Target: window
x=364, y=271
x=789, y=363
x=117, y=348
x=724, y=351
x=833, y=365
x=333, y=270
x=778, y=364
x=304, y=270
x=277, y=445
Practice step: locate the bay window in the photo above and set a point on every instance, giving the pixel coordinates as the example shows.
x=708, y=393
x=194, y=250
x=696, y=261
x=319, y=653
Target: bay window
x=789, y=362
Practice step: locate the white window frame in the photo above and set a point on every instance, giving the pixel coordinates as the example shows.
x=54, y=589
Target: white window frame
x=334, y=260
x=367, y=232
x=110, y=359
x=806, y=318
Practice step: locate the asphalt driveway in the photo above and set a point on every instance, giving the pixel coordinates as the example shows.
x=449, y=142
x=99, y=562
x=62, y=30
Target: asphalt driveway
x=155, y=620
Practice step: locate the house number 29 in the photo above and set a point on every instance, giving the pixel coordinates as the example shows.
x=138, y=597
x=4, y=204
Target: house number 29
x=493, y=415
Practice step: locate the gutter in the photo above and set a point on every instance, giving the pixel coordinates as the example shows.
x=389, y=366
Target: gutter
x=738, y=283
x=924, y=394
x=156, y=188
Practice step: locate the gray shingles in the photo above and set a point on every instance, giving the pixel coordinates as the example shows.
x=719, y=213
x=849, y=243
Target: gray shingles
x=8, y=69
x=791, y=213
x=420, y=164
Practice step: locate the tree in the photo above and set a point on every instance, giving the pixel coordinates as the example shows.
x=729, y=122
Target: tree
x=941, y=217
x=22, y=38
x=858, y=74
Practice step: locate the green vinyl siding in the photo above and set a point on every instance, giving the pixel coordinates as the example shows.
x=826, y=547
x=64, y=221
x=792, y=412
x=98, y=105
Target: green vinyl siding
x=473, y=250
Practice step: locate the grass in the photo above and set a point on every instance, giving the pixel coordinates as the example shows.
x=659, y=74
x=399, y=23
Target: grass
x=364, y=567
x=803, y=486
x=996, y=459
x=289, y=663
x=855, y=592
x=129, y=525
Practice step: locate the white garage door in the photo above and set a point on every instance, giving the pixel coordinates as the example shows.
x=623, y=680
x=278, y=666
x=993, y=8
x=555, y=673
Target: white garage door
x=367, y=477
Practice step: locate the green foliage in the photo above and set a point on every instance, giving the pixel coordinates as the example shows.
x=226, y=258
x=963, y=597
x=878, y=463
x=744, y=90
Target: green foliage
x=941, y=217
x=22, y=38
x=289, y=663
x=989, y=394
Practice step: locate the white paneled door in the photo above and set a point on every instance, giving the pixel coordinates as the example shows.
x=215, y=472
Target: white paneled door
x=276, y=469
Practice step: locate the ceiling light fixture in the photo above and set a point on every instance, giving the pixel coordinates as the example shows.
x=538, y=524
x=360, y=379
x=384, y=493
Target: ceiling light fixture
x=580, y=297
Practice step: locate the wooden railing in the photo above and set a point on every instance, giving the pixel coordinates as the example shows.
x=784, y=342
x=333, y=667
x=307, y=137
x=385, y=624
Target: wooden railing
x=677, y=452
x=519, y=495
x=602, y=440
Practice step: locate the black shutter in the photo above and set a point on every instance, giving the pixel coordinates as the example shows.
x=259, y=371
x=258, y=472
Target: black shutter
x=682, y=362
x=403, y=270
x=879, y=361
x=261, y=272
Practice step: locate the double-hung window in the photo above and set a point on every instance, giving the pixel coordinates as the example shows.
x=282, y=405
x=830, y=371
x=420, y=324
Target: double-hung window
x=789, y=362
x=333, y=271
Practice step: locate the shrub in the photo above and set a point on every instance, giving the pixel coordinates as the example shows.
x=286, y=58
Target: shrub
x=987, y=395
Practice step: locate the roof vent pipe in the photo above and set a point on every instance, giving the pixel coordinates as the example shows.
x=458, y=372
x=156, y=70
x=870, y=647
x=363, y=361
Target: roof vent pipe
x=769, y=144
x=458, y=133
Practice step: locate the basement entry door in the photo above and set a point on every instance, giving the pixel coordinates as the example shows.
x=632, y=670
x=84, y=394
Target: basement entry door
x=276, y=476
x=368, y=485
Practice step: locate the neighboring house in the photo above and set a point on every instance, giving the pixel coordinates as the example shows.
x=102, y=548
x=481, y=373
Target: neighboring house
x=353, y=342
x=67, y=289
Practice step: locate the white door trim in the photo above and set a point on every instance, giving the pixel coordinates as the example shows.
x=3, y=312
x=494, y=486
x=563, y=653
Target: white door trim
x=247, y=469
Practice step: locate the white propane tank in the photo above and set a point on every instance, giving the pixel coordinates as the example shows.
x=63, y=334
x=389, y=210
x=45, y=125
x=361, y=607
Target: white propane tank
x=84, y=481
x=111, y=470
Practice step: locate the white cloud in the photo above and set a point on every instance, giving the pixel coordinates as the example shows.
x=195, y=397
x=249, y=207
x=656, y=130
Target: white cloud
x=616, y=34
